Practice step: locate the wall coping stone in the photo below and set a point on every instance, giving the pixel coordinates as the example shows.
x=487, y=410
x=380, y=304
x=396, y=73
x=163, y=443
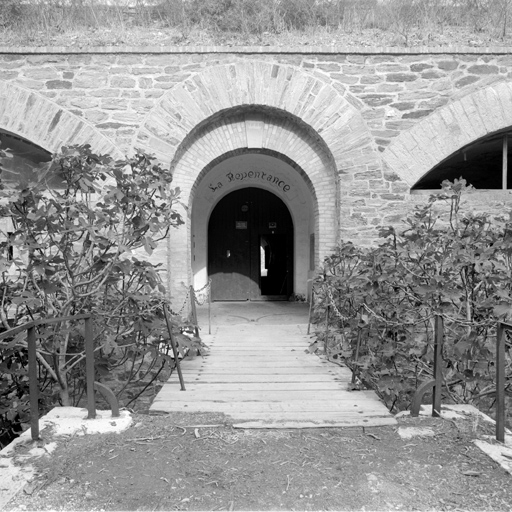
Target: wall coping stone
x=261, y=50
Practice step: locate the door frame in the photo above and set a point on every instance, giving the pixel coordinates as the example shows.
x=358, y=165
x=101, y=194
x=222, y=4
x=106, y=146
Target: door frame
x=215, y=182
x=241, y=218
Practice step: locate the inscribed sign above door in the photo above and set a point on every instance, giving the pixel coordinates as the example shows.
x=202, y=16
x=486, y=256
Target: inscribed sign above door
x=274, y=180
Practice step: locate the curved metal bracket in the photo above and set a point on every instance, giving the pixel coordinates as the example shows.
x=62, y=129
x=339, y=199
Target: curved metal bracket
x=418, y=396
x=109, y=397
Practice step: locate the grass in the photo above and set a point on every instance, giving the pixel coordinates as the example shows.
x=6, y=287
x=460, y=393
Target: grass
x=250, y=22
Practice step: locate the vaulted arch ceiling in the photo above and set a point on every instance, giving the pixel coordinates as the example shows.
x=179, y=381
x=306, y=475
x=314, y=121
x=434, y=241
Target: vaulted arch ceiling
x=413, y=154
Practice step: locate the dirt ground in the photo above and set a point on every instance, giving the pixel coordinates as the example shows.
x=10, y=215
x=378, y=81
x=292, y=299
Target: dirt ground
x=200, y=462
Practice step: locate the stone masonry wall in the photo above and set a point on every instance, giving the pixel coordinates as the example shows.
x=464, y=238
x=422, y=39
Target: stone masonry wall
x=114, y=93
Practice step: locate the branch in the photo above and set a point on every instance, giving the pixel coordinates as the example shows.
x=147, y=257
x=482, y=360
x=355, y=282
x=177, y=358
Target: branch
x=92, y=292
x=45, y=363
x=82, y=356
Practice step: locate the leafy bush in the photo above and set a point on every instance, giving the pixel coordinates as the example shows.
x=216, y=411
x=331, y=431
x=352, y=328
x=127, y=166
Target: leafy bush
x=444, y=263
x=80, y=228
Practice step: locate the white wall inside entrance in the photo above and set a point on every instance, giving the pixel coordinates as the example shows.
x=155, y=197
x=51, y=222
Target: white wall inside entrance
x=254, y=170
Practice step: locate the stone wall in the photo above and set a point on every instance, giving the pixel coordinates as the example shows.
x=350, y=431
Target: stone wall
x=114, y=92
x=368, y=124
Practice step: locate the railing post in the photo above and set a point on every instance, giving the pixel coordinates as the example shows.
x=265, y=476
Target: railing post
x=438, y=369
x=326, y=329
x=33, y=384
x=174, y=349
x=192, y=295
x=500, y=383
x=209, y=306
x=89, y=369
x=358, y=346
x=311, y=307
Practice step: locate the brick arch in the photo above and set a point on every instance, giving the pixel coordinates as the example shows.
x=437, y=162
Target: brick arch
x=37, y=119
x=281, y=136
x=308, y=118
x=331, y=112
x=415, y=152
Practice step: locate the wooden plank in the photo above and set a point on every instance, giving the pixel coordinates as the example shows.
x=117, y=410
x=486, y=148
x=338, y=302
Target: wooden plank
x=247, y=367
x=202, y=379
x=236, y=363
x=346, y=406
x=257, y=345
x=265, y=415
x=257, y=348
x=341, y=423
x=175, y=394
x=297, y=415
x=263, y=386
x=228, y=379
x=265, y=378
x=247, y=342
x=250, y=327
x=260, y=369
x=233, y=397
x=265, y=332
x=256, y=370
x=257, y=358
x=250, y=352
x=258, y=342
x=242, y=366
x=262, y=410
x=259, y=337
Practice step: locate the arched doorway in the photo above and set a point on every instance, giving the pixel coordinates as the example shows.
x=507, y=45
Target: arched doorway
x=264, y=147
x=250, y=247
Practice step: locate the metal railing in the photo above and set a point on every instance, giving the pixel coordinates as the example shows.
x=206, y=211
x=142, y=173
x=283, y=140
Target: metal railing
x=91, y=385
x=436, y=383
x=194, y=300
x=174, y=348
x=192, y=295
x=500, y=380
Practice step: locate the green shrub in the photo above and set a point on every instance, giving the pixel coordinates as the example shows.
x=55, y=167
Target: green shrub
x=78, y=247
x=444, y=263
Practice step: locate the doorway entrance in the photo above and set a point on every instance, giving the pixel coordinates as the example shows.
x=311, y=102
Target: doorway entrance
x=250, y=247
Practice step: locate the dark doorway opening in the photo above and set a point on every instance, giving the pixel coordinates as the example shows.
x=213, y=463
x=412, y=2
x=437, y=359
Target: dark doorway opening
x=250, y=247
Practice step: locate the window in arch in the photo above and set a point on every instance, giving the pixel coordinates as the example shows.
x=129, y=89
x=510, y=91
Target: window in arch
x=25, y=161
x=483, y=164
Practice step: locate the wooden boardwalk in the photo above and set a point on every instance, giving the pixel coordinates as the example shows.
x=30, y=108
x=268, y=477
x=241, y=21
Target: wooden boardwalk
x=261, y=377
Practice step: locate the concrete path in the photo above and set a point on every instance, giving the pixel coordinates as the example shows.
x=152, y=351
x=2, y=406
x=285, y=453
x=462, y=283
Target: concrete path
x=259, y=374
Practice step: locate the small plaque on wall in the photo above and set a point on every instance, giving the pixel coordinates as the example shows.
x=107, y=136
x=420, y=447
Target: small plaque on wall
x=241, y=224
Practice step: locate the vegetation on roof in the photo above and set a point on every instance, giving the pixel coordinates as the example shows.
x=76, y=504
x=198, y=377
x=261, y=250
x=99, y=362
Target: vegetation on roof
x=249, y=22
